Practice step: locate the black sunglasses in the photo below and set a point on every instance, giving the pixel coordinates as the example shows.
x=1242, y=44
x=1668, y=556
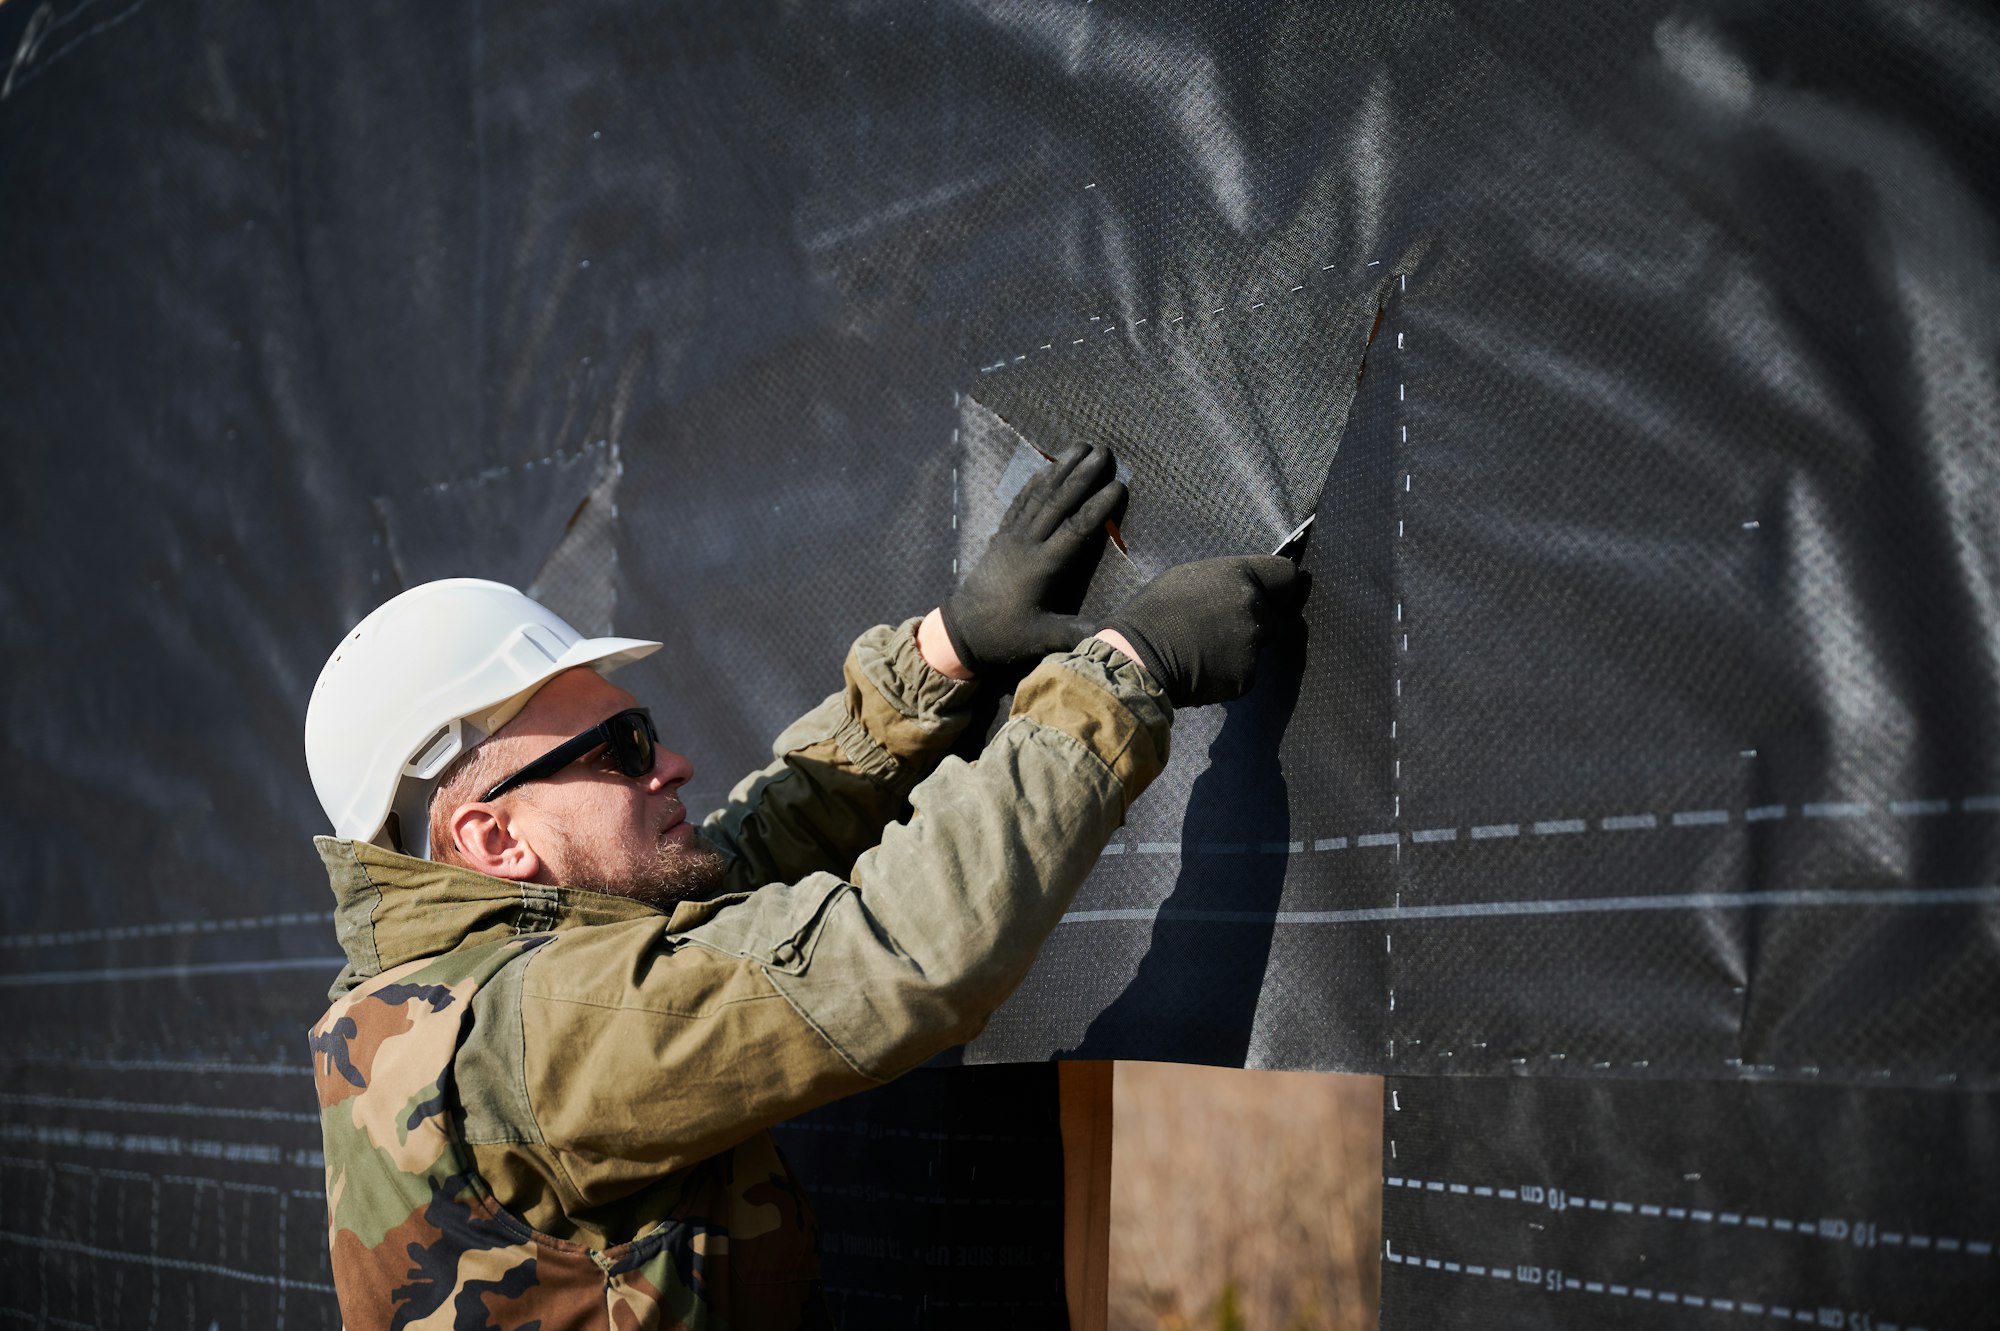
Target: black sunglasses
x=629, y=735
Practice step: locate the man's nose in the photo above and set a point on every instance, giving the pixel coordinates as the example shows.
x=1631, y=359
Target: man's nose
x=670, y=770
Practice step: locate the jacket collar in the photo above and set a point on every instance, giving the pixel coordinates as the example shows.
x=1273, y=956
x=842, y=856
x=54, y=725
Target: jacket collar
x=391, y=908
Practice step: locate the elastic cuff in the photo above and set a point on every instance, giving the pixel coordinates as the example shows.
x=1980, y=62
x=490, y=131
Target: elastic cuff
x=1126, y=677
x=892, y=661
x=1120, y=714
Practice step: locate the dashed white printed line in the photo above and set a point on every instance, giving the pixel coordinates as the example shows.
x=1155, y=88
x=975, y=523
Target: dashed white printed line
x=1986, y=896
x=1809, y=1228
x=1253, y=306
x=1630, y=822
x=1559, y=826
x=1537, y=1275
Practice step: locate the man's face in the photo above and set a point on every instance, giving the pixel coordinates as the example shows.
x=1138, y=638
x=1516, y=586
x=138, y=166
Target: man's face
x=593, y=826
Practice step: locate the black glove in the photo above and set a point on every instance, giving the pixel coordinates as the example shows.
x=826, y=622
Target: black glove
x=1019, y=602
x=1197, y=627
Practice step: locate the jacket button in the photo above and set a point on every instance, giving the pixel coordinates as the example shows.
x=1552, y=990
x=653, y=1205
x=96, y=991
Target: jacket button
x=785, y=955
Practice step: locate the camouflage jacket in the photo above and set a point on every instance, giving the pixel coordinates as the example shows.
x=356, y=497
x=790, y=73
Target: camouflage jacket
x=547, y=1107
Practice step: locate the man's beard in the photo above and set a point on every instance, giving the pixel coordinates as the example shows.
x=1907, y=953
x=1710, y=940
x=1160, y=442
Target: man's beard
x=673, y=873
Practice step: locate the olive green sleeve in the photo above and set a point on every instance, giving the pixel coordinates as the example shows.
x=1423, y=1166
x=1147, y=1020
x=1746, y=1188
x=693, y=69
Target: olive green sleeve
x=945, y=916
x=844, y=770
x=647, y=1050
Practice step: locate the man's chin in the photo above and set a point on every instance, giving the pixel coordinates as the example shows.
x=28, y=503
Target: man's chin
x=689, y=868
x=682, y=867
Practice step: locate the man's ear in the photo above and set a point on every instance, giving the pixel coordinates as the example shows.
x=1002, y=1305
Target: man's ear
x=489, y=842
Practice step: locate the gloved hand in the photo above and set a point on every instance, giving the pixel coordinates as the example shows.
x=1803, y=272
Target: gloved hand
x=1019, y=602
x=1197, y=627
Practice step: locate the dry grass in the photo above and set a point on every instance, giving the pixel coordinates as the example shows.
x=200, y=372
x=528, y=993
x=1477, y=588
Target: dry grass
x=1244, y=1201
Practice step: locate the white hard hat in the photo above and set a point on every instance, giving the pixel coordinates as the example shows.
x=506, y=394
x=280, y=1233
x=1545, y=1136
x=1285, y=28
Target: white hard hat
x=423, y=678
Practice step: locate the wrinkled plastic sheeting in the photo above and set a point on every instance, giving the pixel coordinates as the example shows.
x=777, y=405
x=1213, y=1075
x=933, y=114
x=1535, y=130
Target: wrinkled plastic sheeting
x=1638, y=361
x=1649, y=713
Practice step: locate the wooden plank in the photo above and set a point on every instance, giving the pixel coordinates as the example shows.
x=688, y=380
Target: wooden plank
x=1085, y=1101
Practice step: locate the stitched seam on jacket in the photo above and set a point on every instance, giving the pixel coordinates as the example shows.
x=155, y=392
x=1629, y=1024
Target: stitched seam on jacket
x=520, y=1030
x=702, y=1015
x=797, y=922
x=541, y=907
x=375, y=910
x=819, y=1030
x=517, y=1035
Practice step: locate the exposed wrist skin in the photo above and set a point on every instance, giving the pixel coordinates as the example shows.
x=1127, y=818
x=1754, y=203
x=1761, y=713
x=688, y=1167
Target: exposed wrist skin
x=935, y=644
x=1117, y=640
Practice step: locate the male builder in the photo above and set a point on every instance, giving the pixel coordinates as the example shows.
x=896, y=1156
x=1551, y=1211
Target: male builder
x=549, y=1067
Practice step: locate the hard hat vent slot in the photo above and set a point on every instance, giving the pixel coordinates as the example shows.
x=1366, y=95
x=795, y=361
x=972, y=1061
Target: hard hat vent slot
x=438, y=750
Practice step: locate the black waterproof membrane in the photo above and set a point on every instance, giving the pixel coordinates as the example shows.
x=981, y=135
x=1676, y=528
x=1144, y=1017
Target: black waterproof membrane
x=1638, y=359
x=1560, y=1203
